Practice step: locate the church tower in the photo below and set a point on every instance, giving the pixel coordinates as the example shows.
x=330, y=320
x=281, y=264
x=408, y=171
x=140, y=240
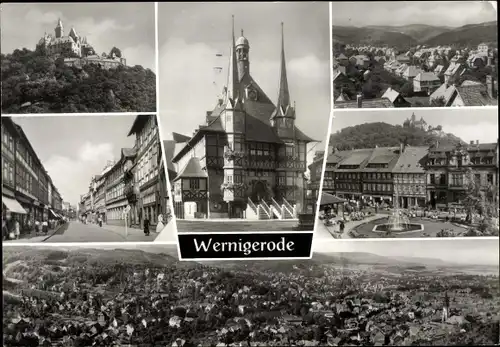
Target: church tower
x=59, y=29
x=233, y=122
x=283, y=117
x=242, y=49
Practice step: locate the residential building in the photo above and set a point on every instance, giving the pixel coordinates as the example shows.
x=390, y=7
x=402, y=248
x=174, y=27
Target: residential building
x=27, y=190
x=395, y=98
x=141, y=168
x=426, y=82
x=249, y=159
x=446, y=166
x=411, y=72
x=409, y=177
x=116, y=201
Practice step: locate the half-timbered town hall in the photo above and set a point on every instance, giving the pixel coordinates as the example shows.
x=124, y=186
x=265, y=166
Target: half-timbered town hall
x=248, y=159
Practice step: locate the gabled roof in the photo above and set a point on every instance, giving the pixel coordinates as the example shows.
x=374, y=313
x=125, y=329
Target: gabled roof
x=169, y=147
x=192, y=170
x=474, y=95
x=410, y=160
x=391, y=94
x=180, y=138
x=139, y=123
x=426, y=77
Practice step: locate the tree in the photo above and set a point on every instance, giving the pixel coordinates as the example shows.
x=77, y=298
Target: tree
x=438, y=102
x=407, y=89
x=473, y=195
x=116, y=52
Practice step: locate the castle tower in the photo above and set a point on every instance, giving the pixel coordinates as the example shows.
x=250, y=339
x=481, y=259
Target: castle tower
x=59, y=29
x=283, y=117
x=242, y=50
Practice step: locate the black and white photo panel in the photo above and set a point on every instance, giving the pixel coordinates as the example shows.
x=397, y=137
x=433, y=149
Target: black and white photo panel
x=405, y=173
x=84, y=179
x=421, y=55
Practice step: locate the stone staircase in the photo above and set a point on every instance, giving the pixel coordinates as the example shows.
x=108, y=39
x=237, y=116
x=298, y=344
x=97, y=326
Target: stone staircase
x=272, y=210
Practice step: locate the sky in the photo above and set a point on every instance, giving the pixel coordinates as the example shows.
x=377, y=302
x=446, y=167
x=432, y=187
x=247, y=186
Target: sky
x=191, y=34
x=75, y=148
x=470, y=124
x=395, y=13
x=128, y=26
x=461, y=251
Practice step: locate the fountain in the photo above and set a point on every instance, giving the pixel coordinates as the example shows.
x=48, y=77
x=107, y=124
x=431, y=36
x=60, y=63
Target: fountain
x=398, y=222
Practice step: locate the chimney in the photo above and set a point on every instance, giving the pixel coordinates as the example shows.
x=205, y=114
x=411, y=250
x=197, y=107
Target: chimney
x=472, y=142
x=477, y=142
x=359, y=100
x=490, y=87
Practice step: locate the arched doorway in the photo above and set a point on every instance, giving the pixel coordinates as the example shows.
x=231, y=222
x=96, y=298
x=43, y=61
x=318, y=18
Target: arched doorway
x=259, y=192
x=190, y=209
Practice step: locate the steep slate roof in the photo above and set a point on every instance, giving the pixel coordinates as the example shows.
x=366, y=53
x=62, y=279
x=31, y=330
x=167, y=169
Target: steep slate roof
x=474, y=95
x=409, y=160
x=180, y=138
x=382, y=155
x=426, y=76
x=169, y=147
x=192, y=170
x=366, y=103
x=356, y=157
x=391, y=94
x=139, y=123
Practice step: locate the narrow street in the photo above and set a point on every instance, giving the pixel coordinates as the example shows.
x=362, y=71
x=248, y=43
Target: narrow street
x=79, y=232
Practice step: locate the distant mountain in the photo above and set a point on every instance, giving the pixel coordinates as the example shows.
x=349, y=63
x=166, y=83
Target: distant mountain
x=467, y=35
x=370, y=135
x=402, y=37
x=371, y=36
x=420, y=32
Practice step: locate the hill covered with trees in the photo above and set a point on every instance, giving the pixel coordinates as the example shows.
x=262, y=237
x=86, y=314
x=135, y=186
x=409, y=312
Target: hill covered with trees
x=381, y=134
x=404, y=37
x=35, y=83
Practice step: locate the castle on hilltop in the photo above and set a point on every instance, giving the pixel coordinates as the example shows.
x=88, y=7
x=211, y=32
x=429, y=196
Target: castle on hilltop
x=414, y=123
x=76, y=50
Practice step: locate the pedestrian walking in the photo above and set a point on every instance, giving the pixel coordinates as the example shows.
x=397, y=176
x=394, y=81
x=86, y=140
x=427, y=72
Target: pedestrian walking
x=160, y=225
x=146, y=226
x=17, y=229
x=45, y=226
x=5, y=230
x=341, y=226
x=99, y=220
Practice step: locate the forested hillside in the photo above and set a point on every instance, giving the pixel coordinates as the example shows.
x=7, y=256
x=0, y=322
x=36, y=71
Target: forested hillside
x=35, y=83
x=380, y=134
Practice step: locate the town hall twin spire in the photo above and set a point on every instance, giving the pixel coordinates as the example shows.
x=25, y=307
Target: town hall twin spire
x=239, y=66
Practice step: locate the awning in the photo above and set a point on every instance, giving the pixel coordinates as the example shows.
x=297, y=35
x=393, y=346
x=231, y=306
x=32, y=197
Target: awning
x=13, y=205
x=329, y=199
x=54, y=214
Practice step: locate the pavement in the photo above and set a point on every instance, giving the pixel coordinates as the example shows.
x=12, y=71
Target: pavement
x=228, y=225
x=79, y=232
x=322, y=232
x=168, y=234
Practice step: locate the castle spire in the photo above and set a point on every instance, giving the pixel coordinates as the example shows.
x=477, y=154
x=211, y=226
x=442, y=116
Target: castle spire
x=283, y=103
x=232, y=92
